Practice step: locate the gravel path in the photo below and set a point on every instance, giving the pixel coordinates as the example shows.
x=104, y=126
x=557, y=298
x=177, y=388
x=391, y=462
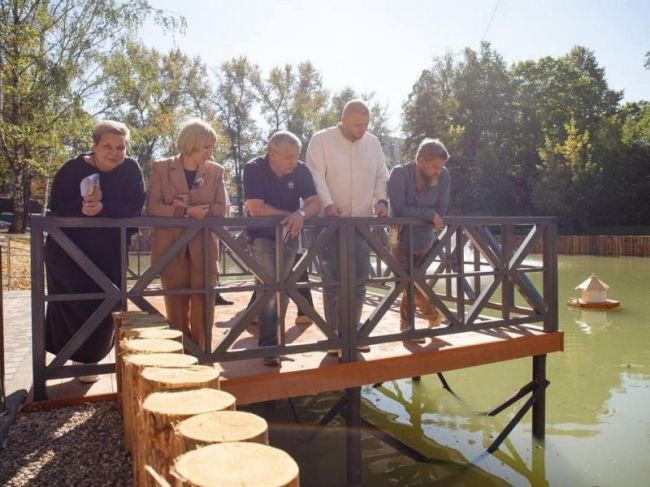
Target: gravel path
x=69, y=446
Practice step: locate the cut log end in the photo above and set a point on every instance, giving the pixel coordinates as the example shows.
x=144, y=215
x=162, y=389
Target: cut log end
x=242, y=464
x=192, y=376
x=222, y=427
x=151, y=345
x=188, y=403
x=161, y=360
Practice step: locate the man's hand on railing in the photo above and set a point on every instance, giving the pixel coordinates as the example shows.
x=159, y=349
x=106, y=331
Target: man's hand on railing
x=293, y=223
x=381, y=209
x=332, y=210
x=438, y=222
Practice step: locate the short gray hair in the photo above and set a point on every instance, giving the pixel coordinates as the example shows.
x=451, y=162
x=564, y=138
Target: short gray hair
x=110, y=127
x=431, y=149
x=193, y=133
x=283, y=137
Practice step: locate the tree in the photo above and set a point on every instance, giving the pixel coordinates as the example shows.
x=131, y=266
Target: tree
x=308, y=102
x=568, y=179
x=48, y=67
x=153, y=93
x=424, y=113
x=483, y=106
x=235, y=98
x=275, y=94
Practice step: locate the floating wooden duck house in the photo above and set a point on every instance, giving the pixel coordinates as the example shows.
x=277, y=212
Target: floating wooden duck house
x=594, y=295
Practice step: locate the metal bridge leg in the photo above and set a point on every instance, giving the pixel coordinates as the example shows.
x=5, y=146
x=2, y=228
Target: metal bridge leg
x=353, y=436
x=539, y=406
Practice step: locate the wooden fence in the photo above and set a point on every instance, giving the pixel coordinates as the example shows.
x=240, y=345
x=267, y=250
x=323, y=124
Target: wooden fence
x=604, y=245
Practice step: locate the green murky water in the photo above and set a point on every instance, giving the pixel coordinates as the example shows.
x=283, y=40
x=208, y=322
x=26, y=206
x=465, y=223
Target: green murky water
x=598, y=407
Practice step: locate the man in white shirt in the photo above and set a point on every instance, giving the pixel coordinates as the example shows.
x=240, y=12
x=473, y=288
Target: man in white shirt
x=350, y=174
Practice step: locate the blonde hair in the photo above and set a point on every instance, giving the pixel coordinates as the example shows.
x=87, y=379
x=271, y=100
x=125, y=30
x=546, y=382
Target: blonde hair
x=110, y=127
x=193, y=133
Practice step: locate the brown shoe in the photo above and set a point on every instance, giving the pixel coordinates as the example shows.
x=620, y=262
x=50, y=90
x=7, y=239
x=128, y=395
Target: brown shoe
x=303, y=320
x=437, y=320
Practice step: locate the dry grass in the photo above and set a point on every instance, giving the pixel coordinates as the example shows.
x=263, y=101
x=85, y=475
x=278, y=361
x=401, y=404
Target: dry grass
x=16, y=273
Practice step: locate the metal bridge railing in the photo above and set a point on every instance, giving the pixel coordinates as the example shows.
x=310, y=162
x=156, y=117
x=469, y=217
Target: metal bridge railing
x=479, y=273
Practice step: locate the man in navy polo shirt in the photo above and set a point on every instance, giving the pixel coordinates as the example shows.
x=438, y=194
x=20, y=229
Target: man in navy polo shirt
x=274, y=184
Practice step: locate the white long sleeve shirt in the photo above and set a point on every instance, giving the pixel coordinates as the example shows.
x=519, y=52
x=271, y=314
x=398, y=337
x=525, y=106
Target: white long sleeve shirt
x=350, y=175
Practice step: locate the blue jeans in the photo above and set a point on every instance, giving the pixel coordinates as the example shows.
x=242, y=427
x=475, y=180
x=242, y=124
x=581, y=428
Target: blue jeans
x=264, y=253
x=329, y=268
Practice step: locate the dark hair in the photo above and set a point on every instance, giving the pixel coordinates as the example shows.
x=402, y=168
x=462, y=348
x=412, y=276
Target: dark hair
x=431, y=149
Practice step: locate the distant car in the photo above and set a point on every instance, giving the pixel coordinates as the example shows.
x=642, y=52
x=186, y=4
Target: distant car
x=4, y=225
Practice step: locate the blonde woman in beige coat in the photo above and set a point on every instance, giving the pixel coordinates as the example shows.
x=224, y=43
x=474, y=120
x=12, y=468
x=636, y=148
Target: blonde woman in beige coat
x=188, y=185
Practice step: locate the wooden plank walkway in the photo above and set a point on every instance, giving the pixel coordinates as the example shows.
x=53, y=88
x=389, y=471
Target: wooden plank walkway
x=315, y=372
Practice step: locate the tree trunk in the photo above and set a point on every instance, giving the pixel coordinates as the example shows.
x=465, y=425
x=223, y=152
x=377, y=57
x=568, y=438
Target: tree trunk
x=22, y=192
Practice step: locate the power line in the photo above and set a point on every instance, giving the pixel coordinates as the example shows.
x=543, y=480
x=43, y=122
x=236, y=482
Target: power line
x=487, y=29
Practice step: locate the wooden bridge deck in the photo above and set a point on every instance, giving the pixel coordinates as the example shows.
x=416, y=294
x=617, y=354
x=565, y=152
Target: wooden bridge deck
x=315, y=372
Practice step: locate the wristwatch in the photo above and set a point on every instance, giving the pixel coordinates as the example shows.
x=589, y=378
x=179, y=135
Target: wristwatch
x=302, y=213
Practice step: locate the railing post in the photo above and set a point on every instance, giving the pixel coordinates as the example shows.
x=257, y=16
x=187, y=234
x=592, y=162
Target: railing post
x=208, y=300
x=550, y=275
x=38, y=308
x=507, y=288
x=124, y=258
x=279, y=277
x=348, y=292
x=460, y=269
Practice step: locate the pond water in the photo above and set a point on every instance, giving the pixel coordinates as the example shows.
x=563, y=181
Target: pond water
x=597, y=407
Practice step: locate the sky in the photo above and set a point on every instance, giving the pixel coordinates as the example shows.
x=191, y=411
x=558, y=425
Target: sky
x=382, y=46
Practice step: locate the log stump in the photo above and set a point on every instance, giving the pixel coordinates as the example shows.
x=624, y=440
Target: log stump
x=219, y=427
x=160, y=411
x=240, y=464
x=138, y=317
x=165, y=334
x=134, y=331
x=162, y=379
x=137, y=346
x=129, y=324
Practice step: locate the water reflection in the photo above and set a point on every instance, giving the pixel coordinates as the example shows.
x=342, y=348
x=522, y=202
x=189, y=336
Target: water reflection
x=590, y=321
x=597, y=407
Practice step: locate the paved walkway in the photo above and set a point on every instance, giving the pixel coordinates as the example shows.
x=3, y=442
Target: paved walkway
x=18, y=340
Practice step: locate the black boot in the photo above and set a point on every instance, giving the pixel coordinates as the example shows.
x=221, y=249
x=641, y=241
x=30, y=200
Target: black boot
x=219, y=300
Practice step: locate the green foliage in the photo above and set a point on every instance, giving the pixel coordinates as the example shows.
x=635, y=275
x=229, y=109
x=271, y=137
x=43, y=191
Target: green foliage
x=545, y=136
x=49, y=60
x=235, y=99
x=153, y=93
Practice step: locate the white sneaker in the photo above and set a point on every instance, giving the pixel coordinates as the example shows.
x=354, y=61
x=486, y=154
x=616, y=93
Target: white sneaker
x=88, y=379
